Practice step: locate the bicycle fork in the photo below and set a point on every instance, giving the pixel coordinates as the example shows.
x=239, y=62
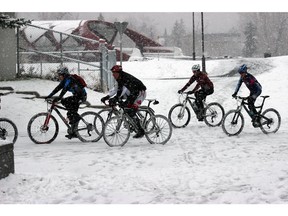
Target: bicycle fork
x=45, y=126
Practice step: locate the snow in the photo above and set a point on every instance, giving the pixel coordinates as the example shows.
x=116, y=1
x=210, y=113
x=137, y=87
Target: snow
x=199, y=165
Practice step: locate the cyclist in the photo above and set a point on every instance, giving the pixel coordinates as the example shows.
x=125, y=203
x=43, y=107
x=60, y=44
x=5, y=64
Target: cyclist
x=203, y=88
x=71, y=103
x=254, y=87
x=136, y=93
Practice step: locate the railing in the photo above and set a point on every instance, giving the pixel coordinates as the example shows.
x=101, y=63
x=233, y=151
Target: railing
x=51, y=49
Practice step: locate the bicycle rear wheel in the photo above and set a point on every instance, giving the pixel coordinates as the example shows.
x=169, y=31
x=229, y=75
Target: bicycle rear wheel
x=90, y=127
x=8, y=131
x=213, y=114
x=233, y=123
x=179, y=116
x=158, y=130
x=272, y=122
x=38, y=132
x=116, y=132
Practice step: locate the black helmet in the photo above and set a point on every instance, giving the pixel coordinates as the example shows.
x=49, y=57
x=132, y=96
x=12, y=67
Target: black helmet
x=63, y=71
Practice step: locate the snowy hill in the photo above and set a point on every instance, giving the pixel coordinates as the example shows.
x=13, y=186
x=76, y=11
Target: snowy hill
x=198, y=165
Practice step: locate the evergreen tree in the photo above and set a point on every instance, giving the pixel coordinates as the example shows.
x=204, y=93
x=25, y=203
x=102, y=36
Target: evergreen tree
x=178, y=34
x=251, y=40
x=101, y=17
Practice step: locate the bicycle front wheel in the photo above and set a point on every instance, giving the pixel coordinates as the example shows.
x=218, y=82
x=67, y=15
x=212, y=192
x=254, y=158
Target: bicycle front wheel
x=90, y=127
x=233, y=123
x=213, y=114
x=38, y=132
x=116, y=131
x=8, y=130
x=179, y=116
x=158, y=130
x=106, y=113
x=271, y=121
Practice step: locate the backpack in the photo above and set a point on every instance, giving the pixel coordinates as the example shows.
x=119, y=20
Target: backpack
x=79, y=80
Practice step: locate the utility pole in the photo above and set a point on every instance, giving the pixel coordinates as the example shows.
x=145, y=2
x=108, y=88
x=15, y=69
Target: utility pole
x=193, y=39
x=203, y=56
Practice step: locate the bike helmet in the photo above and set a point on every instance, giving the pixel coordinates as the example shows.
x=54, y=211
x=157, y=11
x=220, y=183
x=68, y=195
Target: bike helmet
x=63, y=71
x=116, y=69
x=242, y=69
x=196, y=67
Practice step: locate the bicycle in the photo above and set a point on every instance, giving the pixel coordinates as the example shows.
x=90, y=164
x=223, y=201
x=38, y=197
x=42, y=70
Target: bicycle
x=8, y=130
x=269, y=120
x=43, y=128
x=180, y=115
x=107, y=112
x=117, y=129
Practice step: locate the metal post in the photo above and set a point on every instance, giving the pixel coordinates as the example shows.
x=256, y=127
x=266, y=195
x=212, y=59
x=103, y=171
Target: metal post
x=203, y=56
x=18, y=54
x=121, y=49
x=193, y=27
x=61, y=50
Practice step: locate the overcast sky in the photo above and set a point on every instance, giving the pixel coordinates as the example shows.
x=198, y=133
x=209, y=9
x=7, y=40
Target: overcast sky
x=213, y=21
x=219, y=16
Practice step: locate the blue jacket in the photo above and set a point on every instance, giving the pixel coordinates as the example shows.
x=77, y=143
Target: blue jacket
x=69, y=84
x=250, y=81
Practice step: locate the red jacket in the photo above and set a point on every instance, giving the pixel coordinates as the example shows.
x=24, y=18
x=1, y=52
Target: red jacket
x=202, y=81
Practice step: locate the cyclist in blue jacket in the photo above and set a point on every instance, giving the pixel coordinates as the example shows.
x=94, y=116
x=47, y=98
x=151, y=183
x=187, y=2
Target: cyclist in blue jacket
x=252, y=84
x=72, y=103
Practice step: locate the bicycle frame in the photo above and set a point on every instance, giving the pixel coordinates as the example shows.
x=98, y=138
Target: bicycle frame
x=244, y=104
x=56, y=108
x=189, y=100
x=149, y=113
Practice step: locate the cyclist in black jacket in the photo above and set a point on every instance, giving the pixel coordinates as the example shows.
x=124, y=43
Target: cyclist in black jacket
x=137, y=93
x=72, y=103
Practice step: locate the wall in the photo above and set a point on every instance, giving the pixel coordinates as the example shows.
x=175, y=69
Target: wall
x=8, y=48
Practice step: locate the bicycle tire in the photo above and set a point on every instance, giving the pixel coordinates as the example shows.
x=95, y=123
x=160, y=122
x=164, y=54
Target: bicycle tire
x=116, y=132
x=232, y=128
x=104, y=113
x=36, y=132
x=276, y=121
x=9, y=131
x=158, y=130
x=91, y=132
x=177, y=119
x=213, y=114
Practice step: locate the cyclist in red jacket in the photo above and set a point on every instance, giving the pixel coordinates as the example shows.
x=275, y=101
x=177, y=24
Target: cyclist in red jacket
x=203, y=88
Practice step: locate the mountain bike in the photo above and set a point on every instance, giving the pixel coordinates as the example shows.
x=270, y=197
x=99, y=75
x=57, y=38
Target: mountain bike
x=43, y=128
x=269, y=120
x=117, y=129
x=8, y=130
x=180, y=115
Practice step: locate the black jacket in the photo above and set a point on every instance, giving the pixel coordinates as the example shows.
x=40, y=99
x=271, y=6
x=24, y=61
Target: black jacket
x=133, y=84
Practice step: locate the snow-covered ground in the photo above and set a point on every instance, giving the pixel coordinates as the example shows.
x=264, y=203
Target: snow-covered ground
x=198, y=165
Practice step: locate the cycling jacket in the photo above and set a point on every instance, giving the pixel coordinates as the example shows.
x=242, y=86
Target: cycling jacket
x=250, y=81
x=69, y=84
x=202, y=81
x=133, y=84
